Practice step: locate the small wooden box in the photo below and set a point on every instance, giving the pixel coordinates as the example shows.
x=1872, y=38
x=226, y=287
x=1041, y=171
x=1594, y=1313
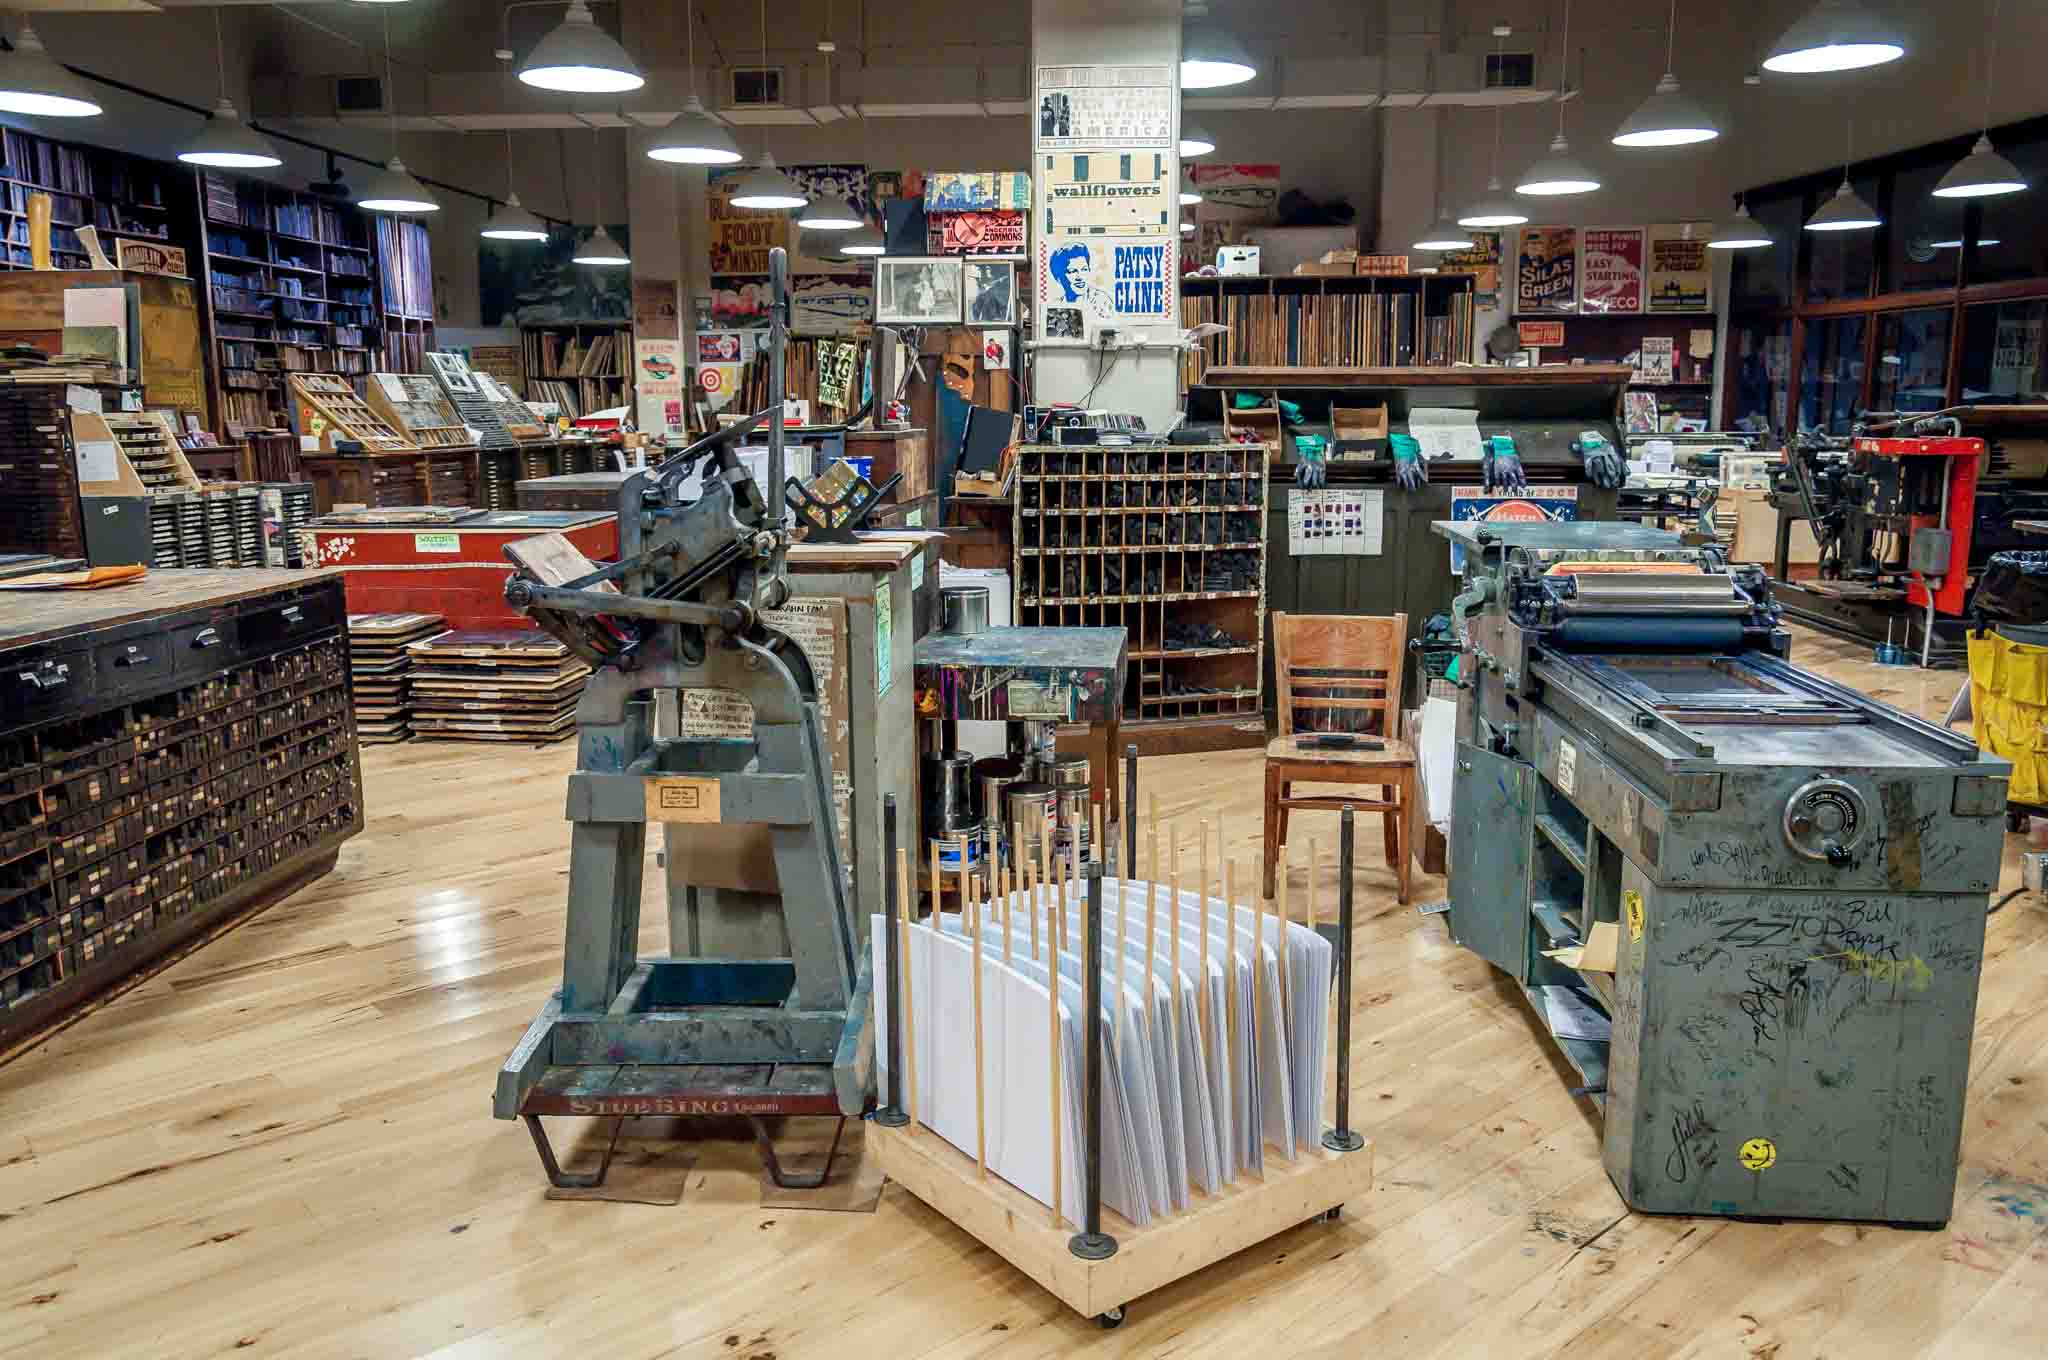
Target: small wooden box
x=1358, y=432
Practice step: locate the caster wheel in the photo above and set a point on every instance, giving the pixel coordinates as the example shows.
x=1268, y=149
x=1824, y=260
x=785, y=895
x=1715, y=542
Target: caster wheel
x=1110, y=1320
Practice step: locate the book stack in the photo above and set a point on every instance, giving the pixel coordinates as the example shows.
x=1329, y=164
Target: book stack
x=495, y=685
x=379, y=665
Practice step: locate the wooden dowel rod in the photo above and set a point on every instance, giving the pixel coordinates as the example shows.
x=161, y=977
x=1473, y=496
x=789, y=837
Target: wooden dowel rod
x=1151, y=926
x=1054, y=1105
x=1315, y=856
x=903, y=863
x=1280, y=950
x=972, y=906
x=1009, y=908
x=1031, y=902
x=1258, y=978
x=1230, y=969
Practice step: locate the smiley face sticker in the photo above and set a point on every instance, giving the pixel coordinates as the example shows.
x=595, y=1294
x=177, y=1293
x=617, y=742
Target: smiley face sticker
x=1758, y=1154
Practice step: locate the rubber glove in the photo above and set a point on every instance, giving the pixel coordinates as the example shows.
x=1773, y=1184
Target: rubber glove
x=1409, y=468
x=1602, y=463
x=1310, y=470
x=1501, y=469
x=1289, y=412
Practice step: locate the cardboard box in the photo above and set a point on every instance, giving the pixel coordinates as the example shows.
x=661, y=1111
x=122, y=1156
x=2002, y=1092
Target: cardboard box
x=1358, y=432
x=1756, y=533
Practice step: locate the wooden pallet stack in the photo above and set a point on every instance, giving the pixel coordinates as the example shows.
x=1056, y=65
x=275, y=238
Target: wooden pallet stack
x=379, y=667
x=494, y=685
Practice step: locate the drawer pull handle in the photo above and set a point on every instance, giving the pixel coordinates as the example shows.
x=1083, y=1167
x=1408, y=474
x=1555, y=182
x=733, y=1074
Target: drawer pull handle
x=205, y=638
x=292, y=615
x=132, y=659
x=49, y=677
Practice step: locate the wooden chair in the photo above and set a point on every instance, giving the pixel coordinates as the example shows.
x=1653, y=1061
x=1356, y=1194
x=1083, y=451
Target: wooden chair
x=1328, y=666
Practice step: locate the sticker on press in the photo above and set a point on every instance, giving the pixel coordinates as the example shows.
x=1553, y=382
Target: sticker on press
x=1758, y=1154
x=1567, y=767
x=1633, y=901
x=437, y=543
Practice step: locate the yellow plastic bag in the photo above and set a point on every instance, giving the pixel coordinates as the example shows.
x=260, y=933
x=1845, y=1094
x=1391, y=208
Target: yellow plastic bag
x=2009, y=704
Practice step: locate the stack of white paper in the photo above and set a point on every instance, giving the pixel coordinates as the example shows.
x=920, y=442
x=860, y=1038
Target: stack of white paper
x=1206, y=1069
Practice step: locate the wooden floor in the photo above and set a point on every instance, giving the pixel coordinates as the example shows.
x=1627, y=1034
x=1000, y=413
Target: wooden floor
x=283, y=1145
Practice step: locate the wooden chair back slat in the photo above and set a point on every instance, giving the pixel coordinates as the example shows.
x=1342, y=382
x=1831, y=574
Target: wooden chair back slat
x=1329, y=656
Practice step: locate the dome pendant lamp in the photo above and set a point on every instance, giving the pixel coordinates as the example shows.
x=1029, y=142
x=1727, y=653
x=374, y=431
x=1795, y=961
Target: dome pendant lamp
x=1740, y=232
x=1560, y=173
x=695, y=137
x=1496, y=209
x=1834, y=35
x=578, y=57
x=1210, y=57
x=394, y=190
x=1846, y=210
x=1983, y=173
x=1668, y=117
x=32, y=82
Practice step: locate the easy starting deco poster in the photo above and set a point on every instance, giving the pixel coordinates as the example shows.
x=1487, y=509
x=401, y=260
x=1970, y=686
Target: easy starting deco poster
x=1088, y=283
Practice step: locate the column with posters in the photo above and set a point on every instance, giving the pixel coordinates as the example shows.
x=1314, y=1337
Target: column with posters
x=1546, y=270
x=1681, y=277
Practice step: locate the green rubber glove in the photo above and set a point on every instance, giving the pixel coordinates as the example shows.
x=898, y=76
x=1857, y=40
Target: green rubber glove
x=1409, y=469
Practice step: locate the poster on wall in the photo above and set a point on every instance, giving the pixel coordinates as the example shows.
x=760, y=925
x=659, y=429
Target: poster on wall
x=1235, y=193
x=740, y=237
x=1611, y=269
x=1482, y=262
x=1122, y=106
x=829, y=305
x=739, y=302
x=1657, y=360
x=1108, y=193
x=658, y=368
x=995, y=350
x=1680, y=274
x=847, y=181
x=991, y=292
x=537, y=283
x=1530, y=505
x=656, y=305
x=917, y=292
x=835, y=372
x=1120, y=282
x=977, y=191
x=1546, y=274
x=997, y=231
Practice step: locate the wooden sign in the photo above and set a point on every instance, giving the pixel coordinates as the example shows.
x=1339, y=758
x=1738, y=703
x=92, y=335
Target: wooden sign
x=1383, y=264
x=146, y=257
x=681, y=799
x=1536, y=334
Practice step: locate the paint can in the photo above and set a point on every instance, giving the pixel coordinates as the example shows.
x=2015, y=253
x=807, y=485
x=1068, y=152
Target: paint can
x=993, y=776
x=948, y=794
x=961, y=851
x=1071, y=778
x=963, y=609
x=1030, y=809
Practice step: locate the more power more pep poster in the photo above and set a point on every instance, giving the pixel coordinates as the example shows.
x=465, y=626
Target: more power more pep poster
x=1611, y=269
x=1546, y=270
x=1120, y=282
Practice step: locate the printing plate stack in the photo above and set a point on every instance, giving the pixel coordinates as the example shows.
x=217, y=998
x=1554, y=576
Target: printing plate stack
x=495, y=685
x=379, y=666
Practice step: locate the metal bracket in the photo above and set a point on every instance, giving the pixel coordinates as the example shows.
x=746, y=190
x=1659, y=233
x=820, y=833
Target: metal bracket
x=1432, y=908
x=791, y=1180
x=572, y=1180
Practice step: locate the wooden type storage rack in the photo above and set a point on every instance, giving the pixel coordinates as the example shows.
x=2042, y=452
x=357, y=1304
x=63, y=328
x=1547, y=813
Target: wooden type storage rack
x=1164, y=541
x=171, y=754
x=412, y=404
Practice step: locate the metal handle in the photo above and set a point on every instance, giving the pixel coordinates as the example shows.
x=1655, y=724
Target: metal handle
x=292, y=614
x=205, y=638
x=132, y=659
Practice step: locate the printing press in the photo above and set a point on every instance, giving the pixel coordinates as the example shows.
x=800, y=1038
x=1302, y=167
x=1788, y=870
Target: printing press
x=1748, y=903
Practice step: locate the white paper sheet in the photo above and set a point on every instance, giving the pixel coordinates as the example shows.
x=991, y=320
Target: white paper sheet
x=1572, y=1016
x=1445, y=432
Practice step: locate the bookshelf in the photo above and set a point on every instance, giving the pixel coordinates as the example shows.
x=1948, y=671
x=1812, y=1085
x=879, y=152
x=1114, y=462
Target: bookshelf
x=405, y=273
x=1330, y=321
x=300, y=284
x=583, y=366
x=122, y=195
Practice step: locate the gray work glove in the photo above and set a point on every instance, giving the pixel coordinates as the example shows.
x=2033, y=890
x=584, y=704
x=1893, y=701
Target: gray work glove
x=1602, y=462
x=1501, y=468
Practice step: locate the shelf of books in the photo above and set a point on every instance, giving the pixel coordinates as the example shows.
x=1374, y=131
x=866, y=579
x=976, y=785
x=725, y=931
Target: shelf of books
x=1359, y=321
x=406, y=272
x=583, y=367
x=120, y=195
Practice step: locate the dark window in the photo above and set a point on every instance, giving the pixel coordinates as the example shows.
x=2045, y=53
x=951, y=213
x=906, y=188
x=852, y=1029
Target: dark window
x=2002, y=352
x=1839, y=264
x=1763, y=277
x=1925, y=233
x=1760, y=355
x=1912, y=360
x=1510, y=70
x=1831, y=374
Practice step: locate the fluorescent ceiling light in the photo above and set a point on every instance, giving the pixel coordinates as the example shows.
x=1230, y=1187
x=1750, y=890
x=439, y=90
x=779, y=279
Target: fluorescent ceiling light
x=581, y=58
x=1444, y=234
x=226, y=141
x=1558, y=173
x=510, y=221
x=864, y=240
x=1981, y=174
x=829, y=212
x=1835, y=35
x=1957, y=243
x=766, y=188
x=1667, y=118
x=32, y=82
x=1195, y=140
x=602, y=250
x=1211, y=58
x=394, y=190
x=1846, y=211
x=1494, y=210
x=1740, y=232
x=695, y=138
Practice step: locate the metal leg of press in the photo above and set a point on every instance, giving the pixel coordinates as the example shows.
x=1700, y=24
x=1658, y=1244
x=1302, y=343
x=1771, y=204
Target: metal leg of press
x=1130, y=865
x=1091, y=1243
x=572, y=1180
x=892, y=1114
x=790, y=1180
x=1343, y=1138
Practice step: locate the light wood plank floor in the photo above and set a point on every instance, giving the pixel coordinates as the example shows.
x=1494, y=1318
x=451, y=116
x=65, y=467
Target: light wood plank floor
x=283, y=1145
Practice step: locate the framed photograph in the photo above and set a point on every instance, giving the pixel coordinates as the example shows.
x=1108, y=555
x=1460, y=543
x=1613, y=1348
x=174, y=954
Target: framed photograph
x=918, y=291
x=991, y=292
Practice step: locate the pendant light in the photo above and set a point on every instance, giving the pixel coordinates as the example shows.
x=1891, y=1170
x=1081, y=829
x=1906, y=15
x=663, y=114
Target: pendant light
x=1189, y=198
x=1667, y=117
x=1211, y=57
x=581, y=58
x=1846, y=211
x=1195, y=140
x=1835, y=35
x=766, y=187
x=1560, y=173
x=829, y=212
x=1983, y=173
x=1740, y=232
x=1442, y=234
x=224, y=140
x=863, y=240
x=1496, y=209
x=511, y=222
x=393, y=189
x=32, y=82
x=695, y=137
x=599, y=249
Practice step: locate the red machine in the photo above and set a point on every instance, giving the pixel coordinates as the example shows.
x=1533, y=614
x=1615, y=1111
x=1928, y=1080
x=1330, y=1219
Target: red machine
x=455, y=569
x=1923, y=494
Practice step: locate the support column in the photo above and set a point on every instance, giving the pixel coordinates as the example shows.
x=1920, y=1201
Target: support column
x=654, y=213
